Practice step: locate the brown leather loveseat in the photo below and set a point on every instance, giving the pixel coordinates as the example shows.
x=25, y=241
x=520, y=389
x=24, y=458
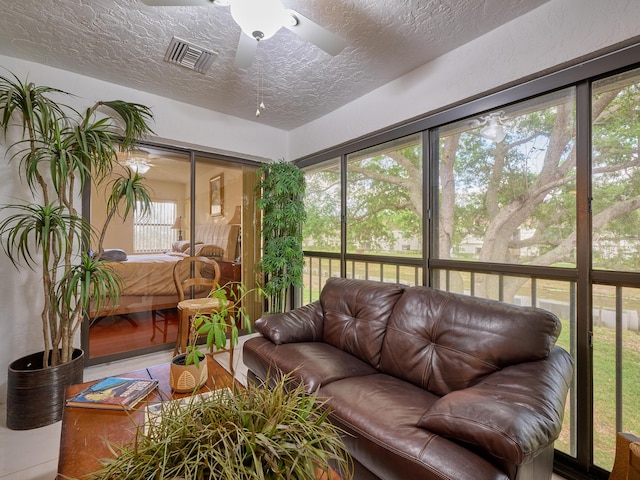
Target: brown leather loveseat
x=428, y=384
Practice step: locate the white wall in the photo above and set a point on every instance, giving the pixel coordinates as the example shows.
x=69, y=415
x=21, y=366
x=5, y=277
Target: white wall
x=550, y=35
x=174, y=121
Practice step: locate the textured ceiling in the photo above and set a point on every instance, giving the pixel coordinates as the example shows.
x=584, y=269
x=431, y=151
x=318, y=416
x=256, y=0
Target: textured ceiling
x=124, y=42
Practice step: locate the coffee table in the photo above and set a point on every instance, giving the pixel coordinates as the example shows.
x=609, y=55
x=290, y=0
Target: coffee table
x=88, y=432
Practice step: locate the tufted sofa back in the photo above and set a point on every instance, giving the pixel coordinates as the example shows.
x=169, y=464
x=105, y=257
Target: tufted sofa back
x=356, y=313
x=443, y=341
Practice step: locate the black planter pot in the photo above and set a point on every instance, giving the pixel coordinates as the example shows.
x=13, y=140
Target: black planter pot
x=35, y=395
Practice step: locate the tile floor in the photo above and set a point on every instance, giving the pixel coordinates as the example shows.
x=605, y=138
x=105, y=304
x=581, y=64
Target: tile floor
x=33, y=454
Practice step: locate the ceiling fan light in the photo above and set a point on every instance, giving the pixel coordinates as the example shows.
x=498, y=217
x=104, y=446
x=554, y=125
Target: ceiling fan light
x=259, y=19
x=137, y=160
x=494, y=129
x=139, y=167
x=494, y=132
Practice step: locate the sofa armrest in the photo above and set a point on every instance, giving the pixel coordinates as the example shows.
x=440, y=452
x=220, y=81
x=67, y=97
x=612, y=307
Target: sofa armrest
x=303, y=324
x=513, y=414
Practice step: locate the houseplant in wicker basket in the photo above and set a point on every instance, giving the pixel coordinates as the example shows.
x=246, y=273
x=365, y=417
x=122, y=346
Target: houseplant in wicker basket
x=188, y=370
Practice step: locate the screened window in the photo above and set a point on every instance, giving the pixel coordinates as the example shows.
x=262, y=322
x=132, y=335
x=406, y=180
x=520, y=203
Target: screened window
x=616, y=172
x=384, y=199
x=616, y=246
x=153, y=232
x=321, y=231
x=509, y=220
x=507, y=185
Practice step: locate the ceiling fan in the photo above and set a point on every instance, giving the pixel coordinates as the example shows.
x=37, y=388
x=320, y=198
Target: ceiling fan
x=260, y=20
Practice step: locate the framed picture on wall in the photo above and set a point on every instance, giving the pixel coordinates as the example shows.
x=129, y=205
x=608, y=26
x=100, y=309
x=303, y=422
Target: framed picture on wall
x=216, y=195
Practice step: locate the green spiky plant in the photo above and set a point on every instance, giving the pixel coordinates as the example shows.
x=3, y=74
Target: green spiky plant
x=60, y=152
x=281, y=188
x=254, y=434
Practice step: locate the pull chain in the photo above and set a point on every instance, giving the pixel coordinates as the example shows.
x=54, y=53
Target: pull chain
x=259, y=88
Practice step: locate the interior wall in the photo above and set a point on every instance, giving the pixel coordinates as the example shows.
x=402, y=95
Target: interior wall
x=232, y=191
x=551, y=35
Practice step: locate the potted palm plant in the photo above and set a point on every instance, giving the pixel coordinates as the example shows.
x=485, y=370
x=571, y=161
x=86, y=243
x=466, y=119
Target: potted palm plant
x=60, y=151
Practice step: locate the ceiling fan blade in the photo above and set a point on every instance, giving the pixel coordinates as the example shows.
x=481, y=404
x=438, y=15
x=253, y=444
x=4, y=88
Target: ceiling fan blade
x=177, y=3
x=246, y=51
x=310, y=31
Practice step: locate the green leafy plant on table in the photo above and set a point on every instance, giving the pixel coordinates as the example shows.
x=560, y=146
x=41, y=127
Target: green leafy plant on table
x=222, y=322
x=256, y=433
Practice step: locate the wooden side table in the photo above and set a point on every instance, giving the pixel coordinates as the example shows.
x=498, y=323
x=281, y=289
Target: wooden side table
x=229, y=271
x=88, y=432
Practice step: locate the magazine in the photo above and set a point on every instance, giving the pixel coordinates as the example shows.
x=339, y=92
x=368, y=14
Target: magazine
x=153, y=412
x=114, y=393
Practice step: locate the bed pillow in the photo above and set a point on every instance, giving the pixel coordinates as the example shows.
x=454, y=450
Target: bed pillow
x=180, y=245
x=206, y=250
x=114, y=255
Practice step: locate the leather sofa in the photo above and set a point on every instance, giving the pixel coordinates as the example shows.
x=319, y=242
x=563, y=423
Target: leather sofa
x=426, y=384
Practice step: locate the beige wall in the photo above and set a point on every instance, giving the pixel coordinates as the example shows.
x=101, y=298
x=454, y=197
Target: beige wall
x=120, y=234
x=232, y=192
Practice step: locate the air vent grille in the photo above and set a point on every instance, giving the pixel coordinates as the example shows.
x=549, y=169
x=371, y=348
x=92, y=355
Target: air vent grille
x=189, y=55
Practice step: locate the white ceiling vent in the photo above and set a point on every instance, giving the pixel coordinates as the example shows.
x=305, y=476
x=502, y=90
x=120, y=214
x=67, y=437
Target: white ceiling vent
x=189, y=55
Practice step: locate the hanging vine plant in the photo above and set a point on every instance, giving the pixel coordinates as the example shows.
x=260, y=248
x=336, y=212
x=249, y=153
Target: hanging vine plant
x=281, y=189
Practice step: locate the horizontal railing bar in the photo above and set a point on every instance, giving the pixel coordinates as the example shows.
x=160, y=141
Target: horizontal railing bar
x=559, y=273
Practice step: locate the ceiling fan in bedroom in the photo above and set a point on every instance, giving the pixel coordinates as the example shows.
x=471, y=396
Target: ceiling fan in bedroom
x=260, y=20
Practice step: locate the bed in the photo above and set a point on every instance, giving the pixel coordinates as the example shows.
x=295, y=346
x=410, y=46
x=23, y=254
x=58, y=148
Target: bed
x=147, y=279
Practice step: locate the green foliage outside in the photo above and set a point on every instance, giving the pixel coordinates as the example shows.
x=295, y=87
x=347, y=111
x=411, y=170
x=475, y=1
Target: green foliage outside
x=513, y=202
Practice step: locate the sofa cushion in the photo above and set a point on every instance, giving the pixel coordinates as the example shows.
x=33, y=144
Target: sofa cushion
x=302, y=324
x=511, y=418
x=314, y=364
x=444, y=341
x=356, y=313
x=380, y=414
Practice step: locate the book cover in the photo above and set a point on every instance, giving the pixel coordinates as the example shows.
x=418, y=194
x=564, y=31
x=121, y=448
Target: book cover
x=153, y=412
x=114, y=393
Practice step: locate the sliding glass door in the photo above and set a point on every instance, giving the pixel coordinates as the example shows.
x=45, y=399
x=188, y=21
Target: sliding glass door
x=200, y=205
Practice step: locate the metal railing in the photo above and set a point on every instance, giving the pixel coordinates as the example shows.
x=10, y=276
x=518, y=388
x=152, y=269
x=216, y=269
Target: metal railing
x=535, y=288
